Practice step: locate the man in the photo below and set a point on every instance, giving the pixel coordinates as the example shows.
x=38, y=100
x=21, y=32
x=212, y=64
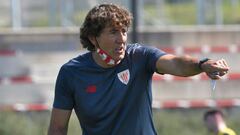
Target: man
x=214, y=120
x=110, y=87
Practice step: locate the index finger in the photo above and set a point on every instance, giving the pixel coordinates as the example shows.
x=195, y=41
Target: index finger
x=221, y=65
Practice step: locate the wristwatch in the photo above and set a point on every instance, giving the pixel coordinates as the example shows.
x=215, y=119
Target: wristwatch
x=201, y=62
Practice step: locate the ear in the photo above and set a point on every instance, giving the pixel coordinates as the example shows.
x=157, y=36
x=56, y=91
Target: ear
x=92, y=40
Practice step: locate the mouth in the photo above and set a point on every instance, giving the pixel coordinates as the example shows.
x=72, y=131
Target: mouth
x=120, y=50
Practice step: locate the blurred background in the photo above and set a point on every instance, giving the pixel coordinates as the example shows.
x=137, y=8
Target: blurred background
x=37, y=37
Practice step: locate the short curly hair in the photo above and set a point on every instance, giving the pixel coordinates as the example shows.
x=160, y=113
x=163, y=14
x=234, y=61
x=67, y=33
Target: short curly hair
x=98, y=18
x=212, y=112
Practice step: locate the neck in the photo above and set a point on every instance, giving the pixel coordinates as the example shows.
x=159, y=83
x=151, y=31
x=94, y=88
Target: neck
x=220, y=123
x=221, y=126
x=99, y=60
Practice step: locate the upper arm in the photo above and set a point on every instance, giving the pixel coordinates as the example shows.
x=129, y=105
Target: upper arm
x=59, y=121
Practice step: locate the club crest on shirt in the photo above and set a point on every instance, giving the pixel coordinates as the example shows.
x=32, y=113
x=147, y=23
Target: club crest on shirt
x=124, y=76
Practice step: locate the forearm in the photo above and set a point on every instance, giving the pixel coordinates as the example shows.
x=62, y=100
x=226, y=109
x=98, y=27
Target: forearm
x=178, y=65
x=186, y=66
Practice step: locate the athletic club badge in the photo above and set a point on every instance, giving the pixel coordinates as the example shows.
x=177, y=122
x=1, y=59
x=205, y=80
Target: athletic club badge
x=124, y=76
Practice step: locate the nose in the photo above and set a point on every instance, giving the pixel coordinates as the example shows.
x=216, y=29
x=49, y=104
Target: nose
x=121, y=37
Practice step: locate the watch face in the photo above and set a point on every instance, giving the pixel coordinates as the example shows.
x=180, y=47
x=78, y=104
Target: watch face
x=204, y=60
x=201, y=62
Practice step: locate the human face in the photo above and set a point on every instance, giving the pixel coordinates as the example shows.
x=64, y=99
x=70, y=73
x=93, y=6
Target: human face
x=113, y=41
x=211, y=123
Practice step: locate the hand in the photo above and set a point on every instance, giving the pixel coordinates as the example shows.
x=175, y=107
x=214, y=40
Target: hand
x=215, y=69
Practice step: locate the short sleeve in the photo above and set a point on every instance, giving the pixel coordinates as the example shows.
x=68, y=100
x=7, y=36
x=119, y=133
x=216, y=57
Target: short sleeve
x=151, y=55
x=63, y=98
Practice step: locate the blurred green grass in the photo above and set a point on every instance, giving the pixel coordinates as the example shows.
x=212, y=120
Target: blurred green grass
x=185, y=13
x=167, y=122
x=174, y=13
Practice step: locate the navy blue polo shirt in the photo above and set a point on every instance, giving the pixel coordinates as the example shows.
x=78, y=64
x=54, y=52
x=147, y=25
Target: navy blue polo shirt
x=110, y=101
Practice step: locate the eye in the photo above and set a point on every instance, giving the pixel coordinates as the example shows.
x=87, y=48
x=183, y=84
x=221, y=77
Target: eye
x=116, y=31
x=113, y=31
x=124, y=30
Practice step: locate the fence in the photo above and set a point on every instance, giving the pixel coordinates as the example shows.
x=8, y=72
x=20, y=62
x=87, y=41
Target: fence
x=65, y=13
